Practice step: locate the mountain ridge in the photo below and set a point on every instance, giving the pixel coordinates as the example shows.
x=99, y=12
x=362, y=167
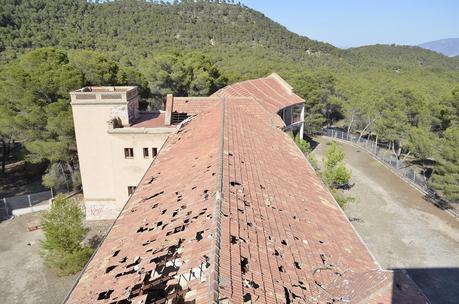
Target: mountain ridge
x=448, y=47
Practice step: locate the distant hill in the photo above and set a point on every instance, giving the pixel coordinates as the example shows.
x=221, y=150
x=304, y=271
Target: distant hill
x=448, y=47
x=245, y=43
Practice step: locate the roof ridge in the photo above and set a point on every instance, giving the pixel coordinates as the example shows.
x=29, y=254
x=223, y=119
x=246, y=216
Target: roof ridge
x=214, y=273
x=282, y=81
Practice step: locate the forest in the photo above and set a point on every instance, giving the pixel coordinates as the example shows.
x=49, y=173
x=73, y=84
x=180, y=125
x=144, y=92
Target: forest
x=405, y=96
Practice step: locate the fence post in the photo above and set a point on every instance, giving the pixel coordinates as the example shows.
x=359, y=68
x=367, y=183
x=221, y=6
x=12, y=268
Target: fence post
x=52, y=193
x=30, y=202
x=414, y=177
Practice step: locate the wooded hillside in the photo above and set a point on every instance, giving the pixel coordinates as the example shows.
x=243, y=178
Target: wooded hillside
x=404, y=95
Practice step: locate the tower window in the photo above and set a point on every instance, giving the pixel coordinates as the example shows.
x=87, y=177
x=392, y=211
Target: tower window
x=131, y=190
x=145, y=153
x=128, y=152
x=154, y=152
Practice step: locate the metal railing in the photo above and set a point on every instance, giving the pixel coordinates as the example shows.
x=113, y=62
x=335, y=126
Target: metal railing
x=377, y=150
x=9, y=204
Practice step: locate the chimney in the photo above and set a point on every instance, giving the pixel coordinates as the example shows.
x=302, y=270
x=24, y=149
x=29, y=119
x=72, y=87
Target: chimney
x=169, y=107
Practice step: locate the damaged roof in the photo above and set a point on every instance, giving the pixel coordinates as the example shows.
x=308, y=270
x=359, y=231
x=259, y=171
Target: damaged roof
x=231, y=211
x=272, y=92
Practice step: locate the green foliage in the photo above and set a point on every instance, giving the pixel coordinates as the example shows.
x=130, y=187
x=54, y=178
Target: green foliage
x=335, y=173
x=96, y=68
x=304, y=146
x=446, y=174
x=182, y=75
x=53, y=178
x=322, y=103
x=403, y=95
x=62, y=247
x=340, y=198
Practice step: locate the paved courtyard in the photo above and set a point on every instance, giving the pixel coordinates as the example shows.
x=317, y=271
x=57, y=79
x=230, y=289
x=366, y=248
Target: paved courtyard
x=401, y=229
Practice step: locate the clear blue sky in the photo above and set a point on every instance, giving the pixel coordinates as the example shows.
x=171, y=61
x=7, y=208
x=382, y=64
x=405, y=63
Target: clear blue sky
x=348, y=23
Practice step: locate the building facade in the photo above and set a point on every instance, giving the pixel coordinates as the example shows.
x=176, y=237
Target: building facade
x=116, y=144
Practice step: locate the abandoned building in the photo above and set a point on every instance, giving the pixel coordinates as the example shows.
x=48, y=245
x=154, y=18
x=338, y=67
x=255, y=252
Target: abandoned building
x=117, y=143
x=227, y=211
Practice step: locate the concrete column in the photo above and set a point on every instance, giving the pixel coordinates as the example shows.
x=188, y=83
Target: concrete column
x=302, y=123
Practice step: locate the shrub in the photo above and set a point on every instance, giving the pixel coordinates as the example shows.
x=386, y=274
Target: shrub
x=340, y=198
x=62, y=247
x=335, y=173
x=304, y=146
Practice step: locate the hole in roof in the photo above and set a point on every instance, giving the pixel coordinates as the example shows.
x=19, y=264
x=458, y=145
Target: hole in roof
x=247, y=297
x=164, y=211
x=281, y=268
x=233, y=240
x=284, y=242
x=123, y=260
x=193, y=188
x=174, y=213
x=110, y=268
x=233, y=183
x=115, y=253
x=199, y=235
x=321, y=241
x=242, y=162
x=297, y=265
x=205, y=194
x=154, y=206
x=251, y=284
x=244, y=265
x=230, y=154
x=142, y=229
x=287, y=295
x=159, y=223
x=136, y=261
x=300, y=285
x=155, y=195
x=105, y=295
x=152, y=180
x=262, y=187
x=276, y=253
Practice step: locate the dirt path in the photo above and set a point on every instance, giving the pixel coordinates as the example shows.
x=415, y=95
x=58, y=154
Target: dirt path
x=23, y=276
x=401, y=229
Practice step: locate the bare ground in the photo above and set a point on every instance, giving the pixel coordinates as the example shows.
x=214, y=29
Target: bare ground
x=24, y=278
x=401, y=229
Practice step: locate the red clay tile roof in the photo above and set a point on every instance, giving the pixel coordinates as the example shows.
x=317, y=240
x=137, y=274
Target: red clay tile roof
x=272, y=92
x=150, y=120
x=230, y=210
x=193, y=105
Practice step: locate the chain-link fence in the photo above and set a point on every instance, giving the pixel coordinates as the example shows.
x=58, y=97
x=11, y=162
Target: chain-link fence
x=9, y=204
x=379, y=151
